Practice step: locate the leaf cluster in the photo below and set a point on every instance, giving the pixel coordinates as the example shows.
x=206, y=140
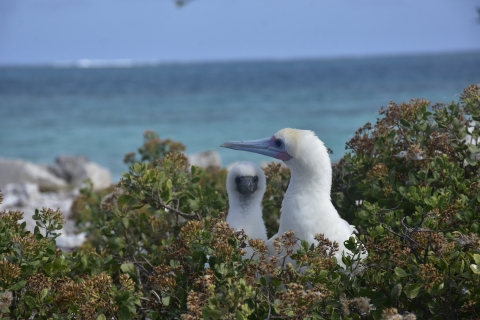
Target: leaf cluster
x=411, y=184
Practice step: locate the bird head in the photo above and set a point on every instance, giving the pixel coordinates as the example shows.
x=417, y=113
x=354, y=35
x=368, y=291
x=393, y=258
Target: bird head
x=293, y=146
x=246, y=179
x=305, y=155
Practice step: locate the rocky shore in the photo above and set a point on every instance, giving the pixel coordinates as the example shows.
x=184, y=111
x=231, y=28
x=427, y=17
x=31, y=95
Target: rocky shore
x=27, y=186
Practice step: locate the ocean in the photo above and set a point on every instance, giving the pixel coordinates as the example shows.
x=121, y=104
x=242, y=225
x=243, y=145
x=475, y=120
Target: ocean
x=101, y=111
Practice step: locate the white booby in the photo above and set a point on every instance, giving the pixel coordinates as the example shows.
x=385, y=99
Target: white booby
x=246, y=185
x=307, y=209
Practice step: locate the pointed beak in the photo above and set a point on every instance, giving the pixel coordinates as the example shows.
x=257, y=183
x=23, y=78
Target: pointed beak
x=246, y=185
x=264, y=146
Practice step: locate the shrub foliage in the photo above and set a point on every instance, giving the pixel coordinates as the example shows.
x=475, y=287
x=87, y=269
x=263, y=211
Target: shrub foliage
x=159, y=247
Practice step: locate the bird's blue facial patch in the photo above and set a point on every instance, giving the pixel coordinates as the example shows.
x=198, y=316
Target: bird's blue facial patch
x=278, y=145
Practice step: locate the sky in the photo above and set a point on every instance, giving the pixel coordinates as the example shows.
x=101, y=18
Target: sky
x=52, y=31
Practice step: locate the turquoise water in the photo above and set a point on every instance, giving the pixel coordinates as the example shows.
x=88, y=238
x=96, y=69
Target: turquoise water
x=103, y=112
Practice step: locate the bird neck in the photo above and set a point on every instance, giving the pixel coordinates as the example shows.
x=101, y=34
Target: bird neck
x=313, y=177
x=245, y=204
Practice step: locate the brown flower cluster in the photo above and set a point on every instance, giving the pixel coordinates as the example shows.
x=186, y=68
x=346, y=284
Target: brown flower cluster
x=6, y=299
x=471, y=94
x=37, y=282
x=91, y=296
x=392, y=314
x=180, y=160
x=363, y=140
x=109, y=202
x=429, y=274
x=52, y=215
x=192, y=230
x=300, y=300
x=126, y=282
x=8, y=273
x=474, y=188
x=417, y=154
x=222, y=232
x=325, y=246
x=447, y=216
x=426, y=240
x=399, y=254
x=358, y=305
x=395, y=112
x=436, y=142
x=10, y=218
x=195, y=302
x=95, y=291
x=163, y=278
x=378, y=172
x=258, y=245
x=440, y=143
x=469, y=305
x=29, y=245
x=205, y=286
x=286, y=243
x=266, y=266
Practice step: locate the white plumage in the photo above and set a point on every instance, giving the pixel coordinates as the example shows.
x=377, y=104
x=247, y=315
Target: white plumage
x=307, y=209
x=246, y=185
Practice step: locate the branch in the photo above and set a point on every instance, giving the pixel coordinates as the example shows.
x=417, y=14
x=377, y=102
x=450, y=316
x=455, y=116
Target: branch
x=161, y=205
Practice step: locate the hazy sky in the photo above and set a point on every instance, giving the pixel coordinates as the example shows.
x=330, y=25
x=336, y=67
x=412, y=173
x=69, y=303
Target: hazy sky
x=43, y=31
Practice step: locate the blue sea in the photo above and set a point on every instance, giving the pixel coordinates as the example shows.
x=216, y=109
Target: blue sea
x=101, y=111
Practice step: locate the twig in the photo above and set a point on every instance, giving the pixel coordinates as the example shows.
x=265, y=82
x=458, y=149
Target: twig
x=161, y=205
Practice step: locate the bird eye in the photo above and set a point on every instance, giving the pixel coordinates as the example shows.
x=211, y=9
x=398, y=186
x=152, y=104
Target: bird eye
x=255, y=179
x=237, y=180
x=278, y=143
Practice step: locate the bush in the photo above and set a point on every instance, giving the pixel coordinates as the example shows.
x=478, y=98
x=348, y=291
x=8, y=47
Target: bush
x=159, y=247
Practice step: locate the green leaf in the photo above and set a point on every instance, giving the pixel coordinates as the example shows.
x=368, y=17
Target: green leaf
x=476, y=258
x=475, y=268
x=125, y=199
x=166, y=301
x=124, y=313
x=137, y=168
x=101, y=317
x=239, y=316
x=380, y=230
x=43, y=293
x=473, y=148
x=364, y=215
x=125, y=222
x=263, y=281
x=129, y=268
x=335, y=315
x=116, y=243
x=412, y=290
x=470, y=161
x=195, y=180
x=322, y=274
x=434, y=290
x=396, y=291
x=405, y=123
x=208, y=313
x=19, y=285
x=378, y=144
x=400, y=272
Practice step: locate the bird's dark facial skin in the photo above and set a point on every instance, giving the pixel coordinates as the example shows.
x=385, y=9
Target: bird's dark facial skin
x=246, y=185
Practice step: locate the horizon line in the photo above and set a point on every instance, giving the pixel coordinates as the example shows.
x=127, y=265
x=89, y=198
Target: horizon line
x=86, y=63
